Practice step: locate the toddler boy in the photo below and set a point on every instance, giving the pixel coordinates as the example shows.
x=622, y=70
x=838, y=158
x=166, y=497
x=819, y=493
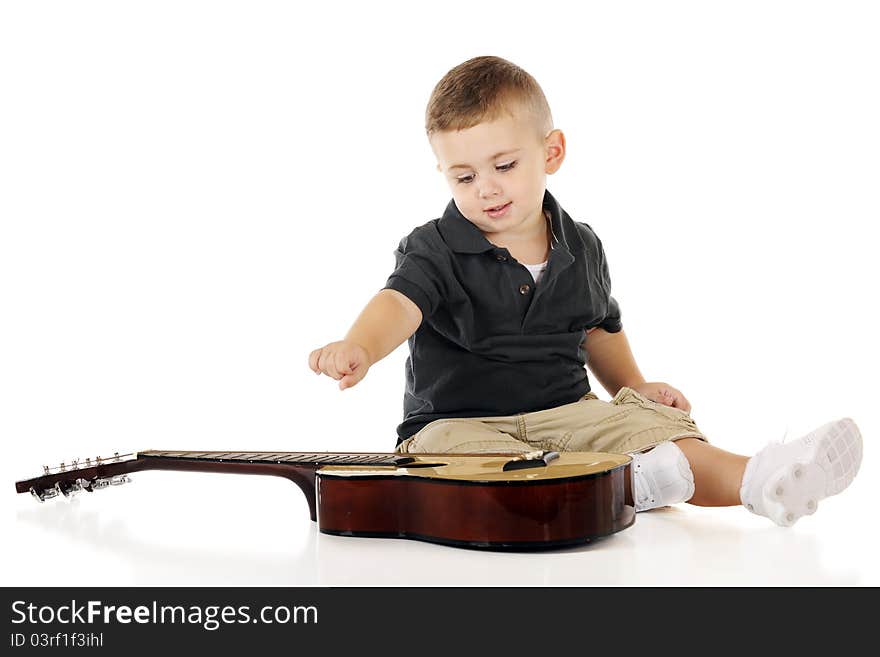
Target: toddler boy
x=505, y=299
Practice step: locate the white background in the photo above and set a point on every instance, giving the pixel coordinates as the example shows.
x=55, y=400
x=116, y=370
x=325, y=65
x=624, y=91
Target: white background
x=194, y=195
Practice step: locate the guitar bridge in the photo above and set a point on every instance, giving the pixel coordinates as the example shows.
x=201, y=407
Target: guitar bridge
x=538, y=459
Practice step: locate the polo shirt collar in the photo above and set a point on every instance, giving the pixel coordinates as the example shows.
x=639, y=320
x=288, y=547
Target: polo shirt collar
x=464, y=237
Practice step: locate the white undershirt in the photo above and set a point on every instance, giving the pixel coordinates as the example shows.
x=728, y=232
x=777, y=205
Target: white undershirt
x=536, y=270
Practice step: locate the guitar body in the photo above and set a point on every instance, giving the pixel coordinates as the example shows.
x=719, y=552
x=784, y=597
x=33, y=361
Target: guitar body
x=533, y=501
x=469, y=501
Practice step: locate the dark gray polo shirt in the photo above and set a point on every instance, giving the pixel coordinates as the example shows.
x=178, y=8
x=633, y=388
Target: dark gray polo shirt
x=491, y=341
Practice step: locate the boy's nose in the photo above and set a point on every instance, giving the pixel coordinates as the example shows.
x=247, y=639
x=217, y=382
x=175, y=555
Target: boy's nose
x=489, y=188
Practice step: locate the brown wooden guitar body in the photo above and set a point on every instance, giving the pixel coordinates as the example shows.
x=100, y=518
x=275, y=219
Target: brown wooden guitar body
x=507, y=514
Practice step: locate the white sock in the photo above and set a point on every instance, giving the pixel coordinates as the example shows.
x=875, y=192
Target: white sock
x=786, y=481
x=661, y=477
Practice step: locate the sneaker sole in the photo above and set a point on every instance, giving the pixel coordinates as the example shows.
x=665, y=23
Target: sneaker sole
x=795, y=490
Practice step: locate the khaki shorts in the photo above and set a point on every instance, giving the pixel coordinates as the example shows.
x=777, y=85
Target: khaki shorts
x=628, y=423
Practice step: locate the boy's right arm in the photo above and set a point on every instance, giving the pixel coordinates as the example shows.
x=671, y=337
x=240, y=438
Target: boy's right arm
x=387, y=320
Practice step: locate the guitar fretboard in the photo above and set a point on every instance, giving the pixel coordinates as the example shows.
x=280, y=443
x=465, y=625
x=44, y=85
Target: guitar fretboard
x=315, y=458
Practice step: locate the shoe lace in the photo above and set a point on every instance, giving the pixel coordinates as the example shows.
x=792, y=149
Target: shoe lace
x=642, y=490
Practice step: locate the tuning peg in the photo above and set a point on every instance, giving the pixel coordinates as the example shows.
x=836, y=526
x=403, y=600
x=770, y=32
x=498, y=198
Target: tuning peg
x=45, y=494
x=116, y=480
x=85, y=484
x=68, y=488
x=99, y=484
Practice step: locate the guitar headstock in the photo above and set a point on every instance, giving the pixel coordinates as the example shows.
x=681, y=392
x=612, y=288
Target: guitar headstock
x=67, y=479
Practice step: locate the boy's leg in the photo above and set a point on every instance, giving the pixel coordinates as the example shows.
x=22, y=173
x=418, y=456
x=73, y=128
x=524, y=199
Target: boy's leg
x=463, y=436
x=717, y=474
x=782, y=481
x=628, y=424
x=674, y=463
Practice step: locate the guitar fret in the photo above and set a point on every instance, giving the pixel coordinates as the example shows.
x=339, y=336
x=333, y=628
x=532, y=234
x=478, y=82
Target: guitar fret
x=316, y=458
x=369, y=458
x=299, y=457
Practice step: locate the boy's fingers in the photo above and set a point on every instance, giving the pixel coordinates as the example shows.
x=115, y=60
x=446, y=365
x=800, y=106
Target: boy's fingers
x=327, y=366
x=343, y=363
x=678, y=400
x=313, y=361
x=338, y=364
x=351, y=379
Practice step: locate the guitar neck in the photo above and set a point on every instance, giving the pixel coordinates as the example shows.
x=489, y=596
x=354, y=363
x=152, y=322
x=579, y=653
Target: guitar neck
x=314, y=459
x=299, y=467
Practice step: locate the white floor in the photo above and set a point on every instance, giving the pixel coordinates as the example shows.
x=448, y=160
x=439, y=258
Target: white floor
x=195, y=529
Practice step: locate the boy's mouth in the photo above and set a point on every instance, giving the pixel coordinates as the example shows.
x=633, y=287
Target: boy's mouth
x=498, y=209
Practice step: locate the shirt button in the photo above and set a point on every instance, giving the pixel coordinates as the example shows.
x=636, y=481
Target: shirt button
x=501, y=258
x=524, y=289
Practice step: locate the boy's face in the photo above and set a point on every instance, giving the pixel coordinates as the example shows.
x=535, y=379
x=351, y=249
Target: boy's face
x=497, y=171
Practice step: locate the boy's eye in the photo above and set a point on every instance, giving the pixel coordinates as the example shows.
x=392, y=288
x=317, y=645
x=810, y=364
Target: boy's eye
x=507, y=166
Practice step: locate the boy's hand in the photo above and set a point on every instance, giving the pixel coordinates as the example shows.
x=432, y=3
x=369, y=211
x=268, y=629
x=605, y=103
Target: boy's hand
x=663, y=393
x=345, y=361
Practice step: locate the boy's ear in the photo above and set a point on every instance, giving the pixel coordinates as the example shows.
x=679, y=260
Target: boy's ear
x=554, y=151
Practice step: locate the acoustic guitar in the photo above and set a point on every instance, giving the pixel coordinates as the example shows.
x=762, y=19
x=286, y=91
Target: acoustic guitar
x=496, y=501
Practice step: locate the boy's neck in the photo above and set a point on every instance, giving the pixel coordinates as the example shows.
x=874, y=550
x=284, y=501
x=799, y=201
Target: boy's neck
x=530, y=247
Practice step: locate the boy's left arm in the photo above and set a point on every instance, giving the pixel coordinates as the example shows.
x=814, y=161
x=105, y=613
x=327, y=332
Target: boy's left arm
x=611, y=361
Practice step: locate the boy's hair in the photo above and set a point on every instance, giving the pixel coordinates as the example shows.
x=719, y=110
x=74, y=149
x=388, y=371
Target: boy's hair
x=482, y=89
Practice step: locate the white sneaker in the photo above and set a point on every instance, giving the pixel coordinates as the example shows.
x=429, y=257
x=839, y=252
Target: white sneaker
x=786, y=481
x=661, y=477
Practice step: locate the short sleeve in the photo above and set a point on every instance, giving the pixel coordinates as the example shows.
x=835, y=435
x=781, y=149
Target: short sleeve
x=417, y=274
x=611, y=322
